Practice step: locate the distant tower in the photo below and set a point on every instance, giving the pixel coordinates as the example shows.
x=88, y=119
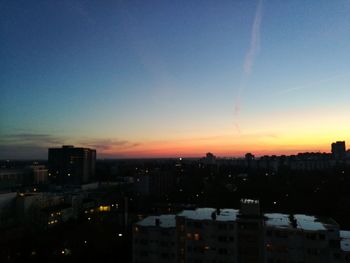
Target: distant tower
x=338, y=150
x=71, y=166
x=249, y=158
x=210, y=158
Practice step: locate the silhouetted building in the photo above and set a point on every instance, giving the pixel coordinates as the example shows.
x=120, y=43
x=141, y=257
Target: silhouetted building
x=155, y=182
x=249, y=158
x=71, y=165
x=209, y=158
x=10, y=177
x=338, y=150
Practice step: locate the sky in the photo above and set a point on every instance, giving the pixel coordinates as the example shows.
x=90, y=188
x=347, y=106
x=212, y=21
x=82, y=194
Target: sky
x=173, y=78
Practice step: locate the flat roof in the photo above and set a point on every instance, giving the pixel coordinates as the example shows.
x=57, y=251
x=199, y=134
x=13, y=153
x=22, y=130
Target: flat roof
x=278, y=220
x=303, y=222
x=206, y=214
x=165, y=221
x=345, y=240
x=306, y=222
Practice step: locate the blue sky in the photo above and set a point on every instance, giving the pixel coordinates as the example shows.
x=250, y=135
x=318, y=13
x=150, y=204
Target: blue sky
x=135, y=78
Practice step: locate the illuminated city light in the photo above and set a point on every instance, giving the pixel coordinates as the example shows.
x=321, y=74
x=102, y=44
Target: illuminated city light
x=105, y=208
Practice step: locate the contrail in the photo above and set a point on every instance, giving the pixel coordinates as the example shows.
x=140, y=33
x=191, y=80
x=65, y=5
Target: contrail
x=254, y=41
x=312, y=84
x=249, y=58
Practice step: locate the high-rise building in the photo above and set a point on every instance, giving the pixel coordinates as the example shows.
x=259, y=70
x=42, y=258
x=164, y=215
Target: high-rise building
x=338, y=150
x=71, y=165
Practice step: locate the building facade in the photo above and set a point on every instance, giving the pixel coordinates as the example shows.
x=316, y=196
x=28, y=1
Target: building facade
x=71, y=165
x=209, y=235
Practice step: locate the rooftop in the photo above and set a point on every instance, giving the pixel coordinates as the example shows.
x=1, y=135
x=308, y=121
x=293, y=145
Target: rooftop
x=303, y=222
x=306, y=222
x=278, y=220
x=164, y=221
x=206, y=214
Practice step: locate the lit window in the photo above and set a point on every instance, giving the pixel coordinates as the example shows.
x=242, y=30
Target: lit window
x=105, y=208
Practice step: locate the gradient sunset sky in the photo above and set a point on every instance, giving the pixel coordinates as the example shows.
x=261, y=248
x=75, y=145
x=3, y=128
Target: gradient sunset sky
x=174, y=78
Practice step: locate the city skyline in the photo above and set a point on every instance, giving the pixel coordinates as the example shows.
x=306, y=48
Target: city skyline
x=174, y=79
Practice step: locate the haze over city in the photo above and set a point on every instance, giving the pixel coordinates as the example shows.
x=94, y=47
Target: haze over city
x=187, y=131
x=173, y=78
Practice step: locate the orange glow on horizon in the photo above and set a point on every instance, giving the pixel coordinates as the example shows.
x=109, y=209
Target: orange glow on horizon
x=312, y=131
x=187, y=149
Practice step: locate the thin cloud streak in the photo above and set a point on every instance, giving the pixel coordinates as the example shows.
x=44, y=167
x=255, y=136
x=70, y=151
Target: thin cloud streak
x=254, y=41
x=31, y=138
x=35, y=145
x=311, y=85
x=108, y=144
x=249, y=60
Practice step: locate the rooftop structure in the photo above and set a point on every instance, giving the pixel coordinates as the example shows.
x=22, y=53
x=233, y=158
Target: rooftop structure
x=250, y=207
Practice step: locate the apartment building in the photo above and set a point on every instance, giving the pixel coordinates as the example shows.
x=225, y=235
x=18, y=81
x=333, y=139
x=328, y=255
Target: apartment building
x=213, y=235
x=154, y=239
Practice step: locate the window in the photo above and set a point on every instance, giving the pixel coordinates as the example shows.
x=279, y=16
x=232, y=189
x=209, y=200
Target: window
x=334, y=244
x=223, y=251
x=222, y=226
x=198, y=225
